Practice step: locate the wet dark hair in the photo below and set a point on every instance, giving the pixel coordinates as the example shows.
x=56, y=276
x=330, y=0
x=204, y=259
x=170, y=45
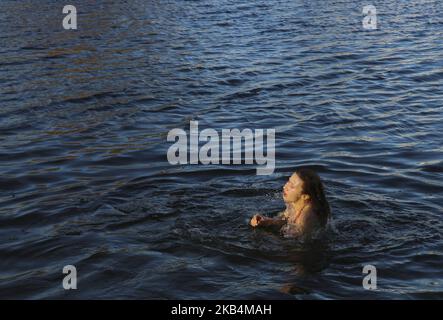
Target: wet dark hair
x=313, y=187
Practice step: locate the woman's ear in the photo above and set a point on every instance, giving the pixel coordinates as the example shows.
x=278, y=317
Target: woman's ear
x=305, y=197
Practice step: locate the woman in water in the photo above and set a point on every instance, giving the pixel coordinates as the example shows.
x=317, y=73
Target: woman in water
x=307, y=209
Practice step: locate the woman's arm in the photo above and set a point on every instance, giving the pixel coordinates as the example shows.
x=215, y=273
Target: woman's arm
x=266, y=222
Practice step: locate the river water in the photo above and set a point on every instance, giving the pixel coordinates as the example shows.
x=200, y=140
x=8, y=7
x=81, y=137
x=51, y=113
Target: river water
x=85, y=181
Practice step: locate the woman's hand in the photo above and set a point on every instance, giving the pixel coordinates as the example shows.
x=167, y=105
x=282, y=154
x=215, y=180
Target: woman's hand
x=256, y=220
x=265, y=222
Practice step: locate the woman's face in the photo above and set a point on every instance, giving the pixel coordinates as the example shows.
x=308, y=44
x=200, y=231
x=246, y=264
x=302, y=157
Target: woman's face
x=293, y=189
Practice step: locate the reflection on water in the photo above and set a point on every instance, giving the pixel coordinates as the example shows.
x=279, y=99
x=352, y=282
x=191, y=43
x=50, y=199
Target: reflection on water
x=84, y=177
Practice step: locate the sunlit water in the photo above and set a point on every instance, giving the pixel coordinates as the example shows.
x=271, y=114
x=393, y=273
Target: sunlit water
x=84, y=177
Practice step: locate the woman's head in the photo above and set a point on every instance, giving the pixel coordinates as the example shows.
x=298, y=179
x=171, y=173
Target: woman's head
x=306, y=184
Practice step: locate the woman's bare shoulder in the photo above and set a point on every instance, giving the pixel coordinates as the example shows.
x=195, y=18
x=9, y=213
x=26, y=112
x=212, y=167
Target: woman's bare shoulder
x=310, y=218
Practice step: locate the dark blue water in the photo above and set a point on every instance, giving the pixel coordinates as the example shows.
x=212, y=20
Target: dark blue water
x=84, y=177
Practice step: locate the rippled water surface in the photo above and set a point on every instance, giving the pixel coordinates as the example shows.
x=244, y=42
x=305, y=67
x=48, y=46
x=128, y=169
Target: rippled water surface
x=84, y=177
